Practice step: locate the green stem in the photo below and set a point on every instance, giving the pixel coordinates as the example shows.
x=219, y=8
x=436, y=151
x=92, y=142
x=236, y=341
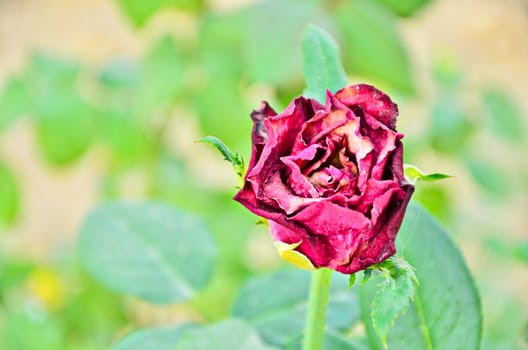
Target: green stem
x=316, y=313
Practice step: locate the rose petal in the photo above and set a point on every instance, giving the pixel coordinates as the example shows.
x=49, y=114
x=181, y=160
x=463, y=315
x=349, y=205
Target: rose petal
x=343, y=228
x=372, y=101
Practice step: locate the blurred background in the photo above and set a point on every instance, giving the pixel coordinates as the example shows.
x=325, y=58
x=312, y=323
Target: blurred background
x=103, y=99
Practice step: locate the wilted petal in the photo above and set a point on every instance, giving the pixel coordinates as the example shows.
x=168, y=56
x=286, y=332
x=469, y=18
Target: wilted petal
x=372, y=101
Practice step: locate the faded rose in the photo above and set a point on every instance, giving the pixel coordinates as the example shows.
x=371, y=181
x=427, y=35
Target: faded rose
x=330, y=178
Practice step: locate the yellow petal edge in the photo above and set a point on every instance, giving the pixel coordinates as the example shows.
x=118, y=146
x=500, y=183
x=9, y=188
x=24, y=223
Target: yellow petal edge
x=288, y=253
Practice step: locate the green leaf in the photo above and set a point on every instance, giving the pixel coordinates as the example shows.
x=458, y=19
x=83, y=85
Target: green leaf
x=394, y=295
x=26, y=331
x=148, y=250
x=521, y=251
x=13, y=273
x=120, y=73
x=234, y=158
x=489, y=177
x=450, y=128
x=332, y=341
x=125, y=135
x=161, y=74
x=227, y=335
x=218, y=92
x=139, y=11
x=446, y=314
x=352, y=280
x=322, y=65
x=273, y=52
x=65, y=122
x=66, y=130
x=413, y=174
x=435, y=199
x=372, y=46
x=9, y=196
x=14, y=101
x=277, y=310
x=154, y=338
x=404, y=8
x=504, y=114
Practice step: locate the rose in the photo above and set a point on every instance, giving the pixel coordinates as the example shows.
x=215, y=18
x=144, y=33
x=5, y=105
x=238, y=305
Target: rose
x=329, y=179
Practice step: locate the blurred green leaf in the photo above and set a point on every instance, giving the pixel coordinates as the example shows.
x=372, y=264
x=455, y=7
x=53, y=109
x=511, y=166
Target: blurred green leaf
x=221, y=108
x=126, y=136
x=446, y=313
x=277, y=310
x=404, y=8
x=489, y=177
x=450, y=128
x=149, y=250
x=273, y=38
x=505, y=118
x=65, y=130
x=46, y=69
x=435, y=199
x=9, y=196
x=92, y=314
x=332, y=341
x=65, y=122
x=322, y=64
x=227, y=335
x=14, y=101
x=153, y=339
x=13, y=272
x=139, y=11
x=521, y=251
x=121, y=72
x=161, y=73
x=446, y=70
x=25, y=331
x=372, y=46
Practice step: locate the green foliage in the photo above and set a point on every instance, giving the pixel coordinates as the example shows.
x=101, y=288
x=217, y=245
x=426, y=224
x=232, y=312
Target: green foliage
x=9, y=196
x=450, y=127
x=234, y=158
x=139, y=11
x=322, y=65
x=13, y=272
x=504, y=115
x=404, y=8
x=332, y=341
x=435, y=199
x=277, y=310
x=14, y=102
x=446, y=310
x=413, y=174
x=352, y=280
x=489, y=177
x=149, y=250
x=23, y=331
x=217, y=90
x=372, y=46
x=394, y=295
x=226, y=335
x=153, y=339
x=65, y=122
x=272, y=41
x=161, y=73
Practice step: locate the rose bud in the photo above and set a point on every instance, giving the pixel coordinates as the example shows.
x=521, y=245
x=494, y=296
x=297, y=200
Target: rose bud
x=329, y=179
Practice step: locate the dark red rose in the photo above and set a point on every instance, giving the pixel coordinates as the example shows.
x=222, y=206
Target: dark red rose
x=329, y=179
